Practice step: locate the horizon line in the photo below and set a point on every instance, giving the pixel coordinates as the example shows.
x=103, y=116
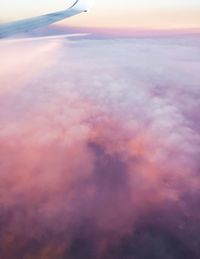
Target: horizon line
x=133, y=31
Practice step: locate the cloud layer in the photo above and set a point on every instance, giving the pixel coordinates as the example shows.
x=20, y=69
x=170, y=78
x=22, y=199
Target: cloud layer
x=99, y=149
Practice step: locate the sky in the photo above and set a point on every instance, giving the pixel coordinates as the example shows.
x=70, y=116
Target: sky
x=145, y=14
x=100, y=138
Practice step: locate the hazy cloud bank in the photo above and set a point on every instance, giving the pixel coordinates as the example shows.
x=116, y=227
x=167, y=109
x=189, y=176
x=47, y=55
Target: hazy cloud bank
x=99, y=149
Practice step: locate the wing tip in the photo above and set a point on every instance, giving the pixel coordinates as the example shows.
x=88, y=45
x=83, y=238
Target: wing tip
x=83, y=5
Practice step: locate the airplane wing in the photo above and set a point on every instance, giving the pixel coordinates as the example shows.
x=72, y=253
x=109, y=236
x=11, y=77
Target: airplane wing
x=25, y=25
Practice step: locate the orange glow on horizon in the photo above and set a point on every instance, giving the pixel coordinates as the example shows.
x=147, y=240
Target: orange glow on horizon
x=143, y=19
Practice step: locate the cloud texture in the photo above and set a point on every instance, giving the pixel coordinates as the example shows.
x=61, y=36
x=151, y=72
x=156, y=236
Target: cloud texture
x=99, y=149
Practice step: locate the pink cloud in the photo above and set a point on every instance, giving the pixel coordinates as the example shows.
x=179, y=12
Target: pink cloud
x=98, y=154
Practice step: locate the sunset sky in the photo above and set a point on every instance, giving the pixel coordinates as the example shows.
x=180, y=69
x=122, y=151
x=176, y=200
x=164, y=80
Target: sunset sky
x=148, y=14
x=100, y=131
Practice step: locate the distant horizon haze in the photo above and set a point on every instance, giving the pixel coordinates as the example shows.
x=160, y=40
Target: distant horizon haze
x=145, y=14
